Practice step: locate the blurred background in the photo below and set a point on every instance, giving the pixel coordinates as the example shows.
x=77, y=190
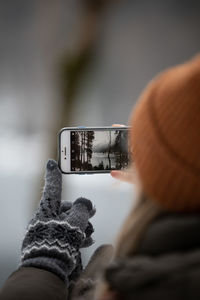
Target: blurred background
x=71, y=63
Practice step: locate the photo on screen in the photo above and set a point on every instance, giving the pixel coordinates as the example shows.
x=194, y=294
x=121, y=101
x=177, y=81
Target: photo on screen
x=99, y=150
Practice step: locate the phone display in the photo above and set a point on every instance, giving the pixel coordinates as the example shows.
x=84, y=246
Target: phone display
x=93, y=150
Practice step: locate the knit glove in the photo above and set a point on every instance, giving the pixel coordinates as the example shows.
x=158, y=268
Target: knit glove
x=58, y=230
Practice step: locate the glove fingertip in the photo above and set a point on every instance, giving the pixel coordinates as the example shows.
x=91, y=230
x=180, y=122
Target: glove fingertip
x=51, y=164
x=84, y=201
x=89, y=229
x=88, y=242
x=93, y=211
x=53, y=170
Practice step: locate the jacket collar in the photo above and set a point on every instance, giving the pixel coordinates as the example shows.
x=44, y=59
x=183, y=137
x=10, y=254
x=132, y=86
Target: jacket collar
x=171, y=233
x=171, y=245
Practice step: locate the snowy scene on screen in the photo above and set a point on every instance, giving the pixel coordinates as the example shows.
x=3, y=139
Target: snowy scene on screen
x=99, y=150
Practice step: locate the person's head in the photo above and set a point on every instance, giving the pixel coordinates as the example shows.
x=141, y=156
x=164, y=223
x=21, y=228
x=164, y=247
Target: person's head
x=165, y=144
x=165, y=149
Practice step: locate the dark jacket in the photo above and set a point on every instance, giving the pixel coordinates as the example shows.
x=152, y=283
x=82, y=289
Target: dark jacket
x=167, y=266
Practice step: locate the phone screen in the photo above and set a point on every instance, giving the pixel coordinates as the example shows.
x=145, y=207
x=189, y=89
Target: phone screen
x=98, y=150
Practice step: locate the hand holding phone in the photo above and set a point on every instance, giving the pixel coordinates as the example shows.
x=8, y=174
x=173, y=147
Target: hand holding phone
x=127, y=175
x=93, y=150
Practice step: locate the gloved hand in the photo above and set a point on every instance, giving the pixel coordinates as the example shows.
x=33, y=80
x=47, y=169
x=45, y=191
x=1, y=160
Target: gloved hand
x=58, y=230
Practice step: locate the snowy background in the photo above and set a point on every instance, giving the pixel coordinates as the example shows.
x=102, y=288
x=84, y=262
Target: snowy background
x=136, y=40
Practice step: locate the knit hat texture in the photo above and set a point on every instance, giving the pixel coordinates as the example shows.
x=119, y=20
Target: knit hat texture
x=165, y=138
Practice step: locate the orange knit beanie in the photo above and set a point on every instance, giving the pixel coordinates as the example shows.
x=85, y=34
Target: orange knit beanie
x=165, y=138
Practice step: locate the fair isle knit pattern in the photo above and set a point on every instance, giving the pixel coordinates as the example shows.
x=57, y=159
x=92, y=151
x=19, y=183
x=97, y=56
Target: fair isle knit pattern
x=58, y=230
x=55, y=236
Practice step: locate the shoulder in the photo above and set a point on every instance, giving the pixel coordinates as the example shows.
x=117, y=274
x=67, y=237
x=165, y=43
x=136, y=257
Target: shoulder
x=33, y=283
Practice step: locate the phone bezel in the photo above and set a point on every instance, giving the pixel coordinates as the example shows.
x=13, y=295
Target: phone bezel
x=84, y=129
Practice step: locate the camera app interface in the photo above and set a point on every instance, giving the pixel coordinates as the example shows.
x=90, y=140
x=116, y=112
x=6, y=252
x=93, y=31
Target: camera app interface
x=99, y=150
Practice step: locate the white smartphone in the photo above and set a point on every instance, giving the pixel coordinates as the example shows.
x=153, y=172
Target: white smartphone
x=89, y=150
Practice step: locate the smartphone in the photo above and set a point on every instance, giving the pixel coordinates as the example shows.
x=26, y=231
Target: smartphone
x=89, y=150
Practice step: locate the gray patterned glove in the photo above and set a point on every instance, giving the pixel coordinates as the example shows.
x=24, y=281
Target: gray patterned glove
x=58, y=230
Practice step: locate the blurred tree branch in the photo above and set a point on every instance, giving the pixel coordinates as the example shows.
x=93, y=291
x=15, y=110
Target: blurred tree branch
x=75, y=65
